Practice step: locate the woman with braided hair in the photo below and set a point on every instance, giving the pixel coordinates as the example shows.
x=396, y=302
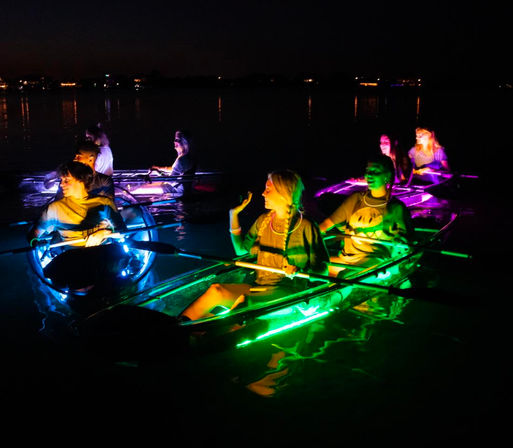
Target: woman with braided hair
x=372, y=213
x=281, y=238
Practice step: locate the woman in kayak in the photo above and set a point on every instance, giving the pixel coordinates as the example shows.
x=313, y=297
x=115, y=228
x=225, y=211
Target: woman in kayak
x=372, y=213
x=389, y=146
x=183, y=165
x=281, y=238
x=428, y=157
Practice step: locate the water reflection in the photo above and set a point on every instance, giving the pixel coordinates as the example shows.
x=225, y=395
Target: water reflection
x=25, y=121
x=374, y=106
x=107, y=107
x=69, y=113
x=288, y=359
x=366, y=106
x=219, y=109
x=309, y=113
x=137, y=108
x=3, y=113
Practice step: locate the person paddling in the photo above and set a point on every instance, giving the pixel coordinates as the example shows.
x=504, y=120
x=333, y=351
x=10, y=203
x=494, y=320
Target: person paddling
x=85, y=222
x=184, y=164
x=283, y=238
x=428, y=157
x=373, y=213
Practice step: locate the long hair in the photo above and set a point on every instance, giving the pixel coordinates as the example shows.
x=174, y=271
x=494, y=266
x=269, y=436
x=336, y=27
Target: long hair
x=186, y=138
x=97, y=132
x=289, y=185
x=432, y=145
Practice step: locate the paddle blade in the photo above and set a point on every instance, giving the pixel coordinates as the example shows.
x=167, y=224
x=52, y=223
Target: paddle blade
x=153, y=246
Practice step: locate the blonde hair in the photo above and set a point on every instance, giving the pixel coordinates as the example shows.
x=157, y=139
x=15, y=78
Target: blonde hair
x=432, y=144
x=289, y=185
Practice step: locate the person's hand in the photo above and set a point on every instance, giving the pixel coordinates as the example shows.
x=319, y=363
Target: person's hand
x=289, y=269
x=425, y=170
x=96, y=238
x=237, y=209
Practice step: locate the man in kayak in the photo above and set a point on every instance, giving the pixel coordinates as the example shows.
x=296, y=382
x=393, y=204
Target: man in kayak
x=372, y=214
x=79, y=214
x=81, y=220
x=281, y=238
x=100, y=184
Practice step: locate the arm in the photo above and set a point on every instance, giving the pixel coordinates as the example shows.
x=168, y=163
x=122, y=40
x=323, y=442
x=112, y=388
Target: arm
x=326, y=225
x=341, y=215
x=319, y=256
x=45, y=224
x=110, y=220
x=398, y=225
x=235, y=229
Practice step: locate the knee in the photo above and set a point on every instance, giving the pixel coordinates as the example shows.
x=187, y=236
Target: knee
x=216, y=288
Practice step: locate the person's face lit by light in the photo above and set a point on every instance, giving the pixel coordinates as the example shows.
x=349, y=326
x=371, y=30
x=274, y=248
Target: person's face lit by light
x=72, y=187
x=90, y=137
x=273, y=199
x=180, y=143
x=85, y=158
x=384, y=144
x=376, y=176
x=422, y=136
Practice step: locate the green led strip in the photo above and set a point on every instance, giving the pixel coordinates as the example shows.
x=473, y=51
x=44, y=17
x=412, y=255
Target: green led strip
x=284, y=328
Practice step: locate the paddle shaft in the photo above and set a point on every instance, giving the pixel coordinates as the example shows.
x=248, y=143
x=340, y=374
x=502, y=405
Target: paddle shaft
x=121, y=207
x=72, y=242
x=428, y=294
x=406, y=246
x=311, y=277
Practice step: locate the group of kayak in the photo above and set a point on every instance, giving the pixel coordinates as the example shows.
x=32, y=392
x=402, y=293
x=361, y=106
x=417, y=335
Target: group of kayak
x=288, y=269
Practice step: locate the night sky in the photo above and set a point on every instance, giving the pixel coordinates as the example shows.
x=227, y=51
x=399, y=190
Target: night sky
x=196, y=38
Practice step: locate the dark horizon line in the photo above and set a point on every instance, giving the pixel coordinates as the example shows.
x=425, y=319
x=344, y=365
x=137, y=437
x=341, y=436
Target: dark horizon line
x=157, y=74
x=155, y=80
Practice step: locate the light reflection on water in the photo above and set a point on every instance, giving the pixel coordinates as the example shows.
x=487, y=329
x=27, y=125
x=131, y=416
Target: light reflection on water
x=276, y=126
x=321, y=343
x=223, y=123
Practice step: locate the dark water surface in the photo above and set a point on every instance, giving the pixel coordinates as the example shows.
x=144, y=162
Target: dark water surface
x=393, y=371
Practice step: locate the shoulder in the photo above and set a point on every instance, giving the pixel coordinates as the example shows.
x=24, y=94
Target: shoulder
x=354, y=197
x=100, y=200
x=261, y=219
x=396, y=204
x=55, y=205
x=308, y=224
x=103, y=178
x=105, y=150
